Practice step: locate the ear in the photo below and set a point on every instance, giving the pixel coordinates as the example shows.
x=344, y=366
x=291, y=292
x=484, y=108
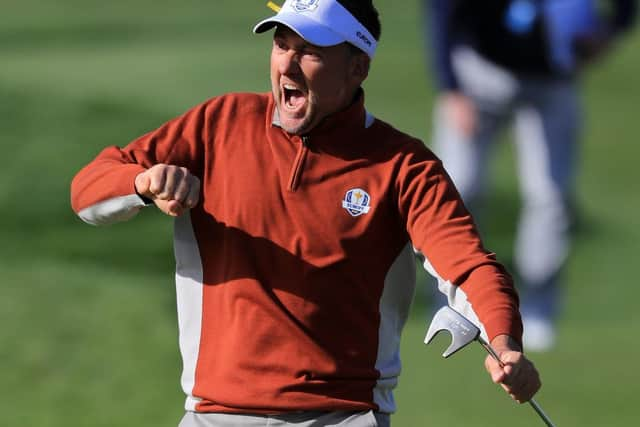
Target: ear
x=359, y=67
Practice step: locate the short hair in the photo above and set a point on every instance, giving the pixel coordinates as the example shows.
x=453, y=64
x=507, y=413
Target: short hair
x=365, y=12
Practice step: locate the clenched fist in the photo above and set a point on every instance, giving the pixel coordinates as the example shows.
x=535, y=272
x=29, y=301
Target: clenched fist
x=515, y=373
x=173, y=189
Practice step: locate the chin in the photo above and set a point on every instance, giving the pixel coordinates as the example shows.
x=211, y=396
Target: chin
x=293, y=129
x=295, y=126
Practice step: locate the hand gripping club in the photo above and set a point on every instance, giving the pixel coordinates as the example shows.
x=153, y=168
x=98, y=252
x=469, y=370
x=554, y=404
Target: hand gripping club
x=462, y=333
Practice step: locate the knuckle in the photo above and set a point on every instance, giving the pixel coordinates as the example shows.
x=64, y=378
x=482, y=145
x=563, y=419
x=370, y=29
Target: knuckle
x=158, y=168
x=170, y=171
x=154, y=187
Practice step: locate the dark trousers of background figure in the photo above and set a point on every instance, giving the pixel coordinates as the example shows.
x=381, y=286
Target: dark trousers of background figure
x=546, y=117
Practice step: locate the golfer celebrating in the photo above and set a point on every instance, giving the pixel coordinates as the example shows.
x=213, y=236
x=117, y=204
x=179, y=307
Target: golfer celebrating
x=297, y=214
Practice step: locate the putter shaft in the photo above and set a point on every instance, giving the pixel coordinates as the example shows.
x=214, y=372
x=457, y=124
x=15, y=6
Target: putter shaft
x=532, y=401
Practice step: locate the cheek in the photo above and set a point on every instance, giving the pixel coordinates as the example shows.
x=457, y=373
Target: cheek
x=324, y=82
x=274, y=76
x=274, y=65
x=331, y=90
x=272, y=68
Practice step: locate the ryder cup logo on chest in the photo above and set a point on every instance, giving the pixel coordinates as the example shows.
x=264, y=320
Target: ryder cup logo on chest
x=356, y=202
x=305, y=5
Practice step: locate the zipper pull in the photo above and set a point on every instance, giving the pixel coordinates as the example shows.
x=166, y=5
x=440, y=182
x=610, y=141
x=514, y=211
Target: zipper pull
x=298, y=166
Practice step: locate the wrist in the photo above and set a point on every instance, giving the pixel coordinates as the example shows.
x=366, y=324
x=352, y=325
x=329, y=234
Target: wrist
x=505, y=343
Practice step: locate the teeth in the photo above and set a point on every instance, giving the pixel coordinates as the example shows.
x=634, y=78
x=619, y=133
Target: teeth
x=288, y=92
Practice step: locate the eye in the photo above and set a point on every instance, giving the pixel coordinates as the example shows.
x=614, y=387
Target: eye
x=279, y=44
x=312, y=54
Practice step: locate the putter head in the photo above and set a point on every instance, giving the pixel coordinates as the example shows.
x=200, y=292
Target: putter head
x=462, y=330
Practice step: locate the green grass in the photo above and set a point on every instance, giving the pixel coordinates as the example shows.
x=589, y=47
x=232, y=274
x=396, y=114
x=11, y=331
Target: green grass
x=89, y=334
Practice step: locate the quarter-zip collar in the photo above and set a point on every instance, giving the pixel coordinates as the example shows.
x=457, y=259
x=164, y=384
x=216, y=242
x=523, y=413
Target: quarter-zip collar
x=339, y=134
x=298, y=165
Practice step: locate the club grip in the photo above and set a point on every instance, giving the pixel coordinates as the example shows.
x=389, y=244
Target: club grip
x=532, y=401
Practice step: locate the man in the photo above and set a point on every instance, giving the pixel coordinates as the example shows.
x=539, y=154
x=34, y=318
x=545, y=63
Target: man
x=520, y=59
x=296, y=213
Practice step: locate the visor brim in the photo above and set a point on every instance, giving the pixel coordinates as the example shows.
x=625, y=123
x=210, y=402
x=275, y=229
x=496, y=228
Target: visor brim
x=310, y=30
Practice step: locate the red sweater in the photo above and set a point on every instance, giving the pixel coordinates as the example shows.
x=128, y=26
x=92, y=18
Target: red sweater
x=295, y=271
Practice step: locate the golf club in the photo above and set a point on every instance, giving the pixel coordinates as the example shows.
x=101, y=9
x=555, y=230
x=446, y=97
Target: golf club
x=462, y=333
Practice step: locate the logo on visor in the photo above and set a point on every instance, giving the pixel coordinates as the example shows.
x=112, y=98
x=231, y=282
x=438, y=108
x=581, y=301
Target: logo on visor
x=305, y=5
x=356, y=202
x=363, y=38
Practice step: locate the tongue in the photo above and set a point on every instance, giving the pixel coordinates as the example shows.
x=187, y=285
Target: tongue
x=295, y=98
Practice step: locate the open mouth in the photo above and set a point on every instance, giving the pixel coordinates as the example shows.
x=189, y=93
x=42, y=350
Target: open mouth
x=294, y=98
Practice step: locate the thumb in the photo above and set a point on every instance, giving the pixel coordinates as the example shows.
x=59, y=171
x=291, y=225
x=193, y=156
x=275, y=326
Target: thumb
x=496, y=371
x=169, y=207
x=173, y=208
x=142, y=183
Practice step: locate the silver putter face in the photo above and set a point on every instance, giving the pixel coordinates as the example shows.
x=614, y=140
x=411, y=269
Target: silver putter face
x=462, y=331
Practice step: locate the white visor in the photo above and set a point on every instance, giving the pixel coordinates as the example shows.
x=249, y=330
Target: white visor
x=322, y=23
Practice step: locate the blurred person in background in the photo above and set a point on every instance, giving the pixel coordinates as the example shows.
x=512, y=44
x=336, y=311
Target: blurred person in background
x=502, y=60
x=296, y=217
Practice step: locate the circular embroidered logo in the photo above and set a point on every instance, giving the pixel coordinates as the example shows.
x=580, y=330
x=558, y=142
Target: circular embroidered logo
x=305, y=5
x=356, y=201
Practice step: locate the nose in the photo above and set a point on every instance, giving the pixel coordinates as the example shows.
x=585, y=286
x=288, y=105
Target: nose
x=289, y=63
